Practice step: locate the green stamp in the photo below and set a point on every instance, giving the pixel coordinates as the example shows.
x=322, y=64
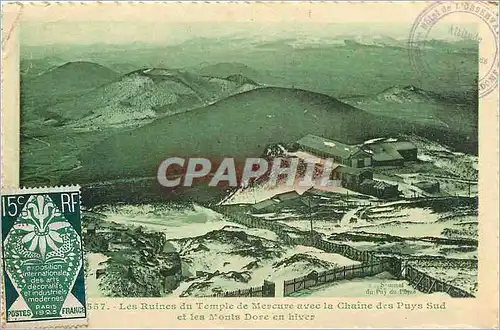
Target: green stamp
x=42, y=252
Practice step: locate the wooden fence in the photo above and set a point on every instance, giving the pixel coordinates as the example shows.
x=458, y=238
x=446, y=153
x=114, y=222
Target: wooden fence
x=337, y=274
x=294, y=236
x=345, y=250
x=428, y=284
x=266, y=290
x=251, y=292
x=284, y=232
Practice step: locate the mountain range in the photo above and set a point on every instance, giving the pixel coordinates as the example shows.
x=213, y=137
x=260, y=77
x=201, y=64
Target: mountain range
x=333, y=64
x=137, y=97
x=239, y=126
x=178, y=113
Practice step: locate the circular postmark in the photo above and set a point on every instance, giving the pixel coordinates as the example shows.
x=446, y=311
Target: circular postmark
x=445, y=44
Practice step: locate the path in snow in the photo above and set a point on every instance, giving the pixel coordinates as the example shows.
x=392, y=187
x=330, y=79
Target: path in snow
x=346, y=219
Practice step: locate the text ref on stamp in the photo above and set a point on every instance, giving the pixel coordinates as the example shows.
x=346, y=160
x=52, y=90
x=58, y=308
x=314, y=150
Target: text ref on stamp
x=42, y=255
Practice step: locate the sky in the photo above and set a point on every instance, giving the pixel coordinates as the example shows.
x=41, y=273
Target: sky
x=119, y=32
x=173, y=23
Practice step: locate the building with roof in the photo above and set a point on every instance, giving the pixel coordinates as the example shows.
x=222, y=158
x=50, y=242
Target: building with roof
x=344, y=154
x=379, y=189
x=286, y=196
x=391, y=153
x=277, y=202
x=351, y=177
x=268, y=205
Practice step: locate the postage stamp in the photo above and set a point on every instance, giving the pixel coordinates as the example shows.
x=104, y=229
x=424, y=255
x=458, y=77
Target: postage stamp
x=251, y=165
x=42, y=254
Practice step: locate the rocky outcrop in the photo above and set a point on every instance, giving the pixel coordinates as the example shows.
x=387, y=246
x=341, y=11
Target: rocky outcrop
x=140, y=263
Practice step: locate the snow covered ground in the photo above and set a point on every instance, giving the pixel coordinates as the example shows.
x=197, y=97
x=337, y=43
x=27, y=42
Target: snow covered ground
x=407, y=229
x=258, y=193
x=233, y=272
x=399, y=218
x=279, y=274
x=217, y=255
x=386, y=218
x=174, y=223
x=94, y=259
x=252, y=195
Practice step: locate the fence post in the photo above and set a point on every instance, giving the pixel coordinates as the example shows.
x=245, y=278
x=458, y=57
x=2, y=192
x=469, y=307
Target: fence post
x=268, y=289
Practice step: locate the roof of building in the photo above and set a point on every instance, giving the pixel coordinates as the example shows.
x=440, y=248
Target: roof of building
x=399, y=145
x=388, y=150
x=328, y=147
x=404, y=145
x=318, y=192
x=265, y=203
x=286, y=195
x=377, y=184
x=384, y=152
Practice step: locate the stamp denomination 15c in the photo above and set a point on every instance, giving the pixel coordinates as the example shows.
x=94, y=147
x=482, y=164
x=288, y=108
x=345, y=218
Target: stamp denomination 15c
x=42, y=255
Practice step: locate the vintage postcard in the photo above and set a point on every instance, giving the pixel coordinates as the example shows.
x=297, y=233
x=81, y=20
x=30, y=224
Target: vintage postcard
x=250, y=165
